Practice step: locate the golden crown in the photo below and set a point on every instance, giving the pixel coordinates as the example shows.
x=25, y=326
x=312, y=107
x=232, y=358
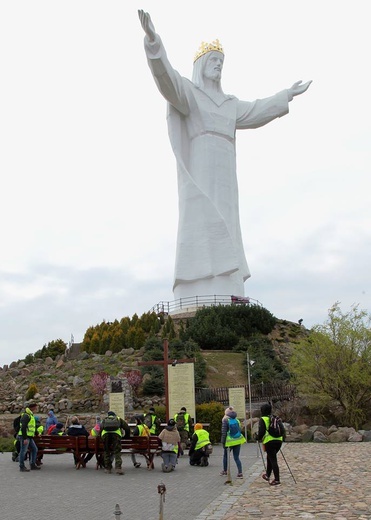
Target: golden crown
x=208, y=47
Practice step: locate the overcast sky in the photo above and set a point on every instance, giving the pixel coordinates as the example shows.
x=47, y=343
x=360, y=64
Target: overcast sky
x=88, y=182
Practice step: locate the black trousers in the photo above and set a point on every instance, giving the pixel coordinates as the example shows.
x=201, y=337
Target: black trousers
x=271, y=449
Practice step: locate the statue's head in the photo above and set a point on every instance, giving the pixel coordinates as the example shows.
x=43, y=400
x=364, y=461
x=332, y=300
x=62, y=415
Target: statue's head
x=208, y=63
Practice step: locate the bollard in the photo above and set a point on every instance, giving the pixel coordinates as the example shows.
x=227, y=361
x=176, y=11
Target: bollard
x=162, y=490
x=117, y=513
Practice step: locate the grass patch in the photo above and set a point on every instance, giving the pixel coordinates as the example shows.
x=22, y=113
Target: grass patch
x=224, y=368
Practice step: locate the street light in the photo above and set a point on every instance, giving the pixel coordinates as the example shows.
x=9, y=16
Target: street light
x=250, y=363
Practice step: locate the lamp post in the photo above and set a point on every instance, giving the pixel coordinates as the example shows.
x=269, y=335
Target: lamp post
x=250, y=362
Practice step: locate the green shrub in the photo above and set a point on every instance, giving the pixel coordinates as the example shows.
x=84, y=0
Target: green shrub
x=32, y=390
x=211, y=413
x=6, y=444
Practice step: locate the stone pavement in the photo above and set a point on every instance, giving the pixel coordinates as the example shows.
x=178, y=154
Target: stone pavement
x=333, y=481
x=59, y=491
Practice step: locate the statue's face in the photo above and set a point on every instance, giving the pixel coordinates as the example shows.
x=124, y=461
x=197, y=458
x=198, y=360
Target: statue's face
x=214, y=66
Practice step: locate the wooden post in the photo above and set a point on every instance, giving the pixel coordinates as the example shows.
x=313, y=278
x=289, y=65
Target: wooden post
x=165, y=362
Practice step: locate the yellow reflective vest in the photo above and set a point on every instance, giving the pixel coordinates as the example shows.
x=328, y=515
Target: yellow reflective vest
x=203, y=439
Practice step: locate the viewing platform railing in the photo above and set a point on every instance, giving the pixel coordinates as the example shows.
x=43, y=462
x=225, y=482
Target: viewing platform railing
x=193, y=303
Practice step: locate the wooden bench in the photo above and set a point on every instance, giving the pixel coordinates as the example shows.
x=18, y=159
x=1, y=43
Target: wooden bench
x=80, y=446
x=149, y=447
x=57, y=444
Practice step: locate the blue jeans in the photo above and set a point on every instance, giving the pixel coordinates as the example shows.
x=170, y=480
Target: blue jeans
x=25, y=446
x=236, y=455
x=169, y=458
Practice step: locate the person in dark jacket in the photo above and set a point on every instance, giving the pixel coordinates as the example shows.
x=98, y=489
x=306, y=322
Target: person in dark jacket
x=59, y=429
x=271, y=445
x=76, y=429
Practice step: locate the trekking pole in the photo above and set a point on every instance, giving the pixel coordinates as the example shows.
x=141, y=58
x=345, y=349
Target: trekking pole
x=284, y=458
x=229, y=479
x=162, y=490
x=261, y=453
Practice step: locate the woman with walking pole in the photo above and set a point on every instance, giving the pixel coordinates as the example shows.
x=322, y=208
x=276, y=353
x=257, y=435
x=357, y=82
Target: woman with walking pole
x=271, y=444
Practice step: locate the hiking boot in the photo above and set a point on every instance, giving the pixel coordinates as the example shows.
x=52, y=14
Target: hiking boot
x=119, y=471
x=108, y=471
x=33, y=466
x=137, y=465
x=239, y=475
x=23, y=468
x=223, y=473
x=265, y=477
x=14, y=456
x=275, y=483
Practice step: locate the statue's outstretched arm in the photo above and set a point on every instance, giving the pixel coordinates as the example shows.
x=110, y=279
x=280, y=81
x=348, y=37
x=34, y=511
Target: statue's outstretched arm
x=298, y=88
x=147, y=25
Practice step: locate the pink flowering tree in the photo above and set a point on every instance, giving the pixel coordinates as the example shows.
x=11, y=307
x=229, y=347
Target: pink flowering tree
x=134, y=378
x=99, y=383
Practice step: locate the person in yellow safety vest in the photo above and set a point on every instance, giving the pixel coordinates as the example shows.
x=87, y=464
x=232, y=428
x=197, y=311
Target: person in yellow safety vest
x=232, y=438
x=140, y=430
x=26, y=436
x=170, y=439
x=96, y=430
x=199, y=451
x=112, y=428
x=152, y=421
x=272, y=445
x=183, y=423
x=39, y=426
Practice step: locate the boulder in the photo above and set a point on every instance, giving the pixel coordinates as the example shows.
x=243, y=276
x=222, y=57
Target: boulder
x=355, y=437
x=338, y=436
x=318, y=436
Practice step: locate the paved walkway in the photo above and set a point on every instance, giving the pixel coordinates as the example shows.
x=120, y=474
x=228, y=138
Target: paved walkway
x=333, y=481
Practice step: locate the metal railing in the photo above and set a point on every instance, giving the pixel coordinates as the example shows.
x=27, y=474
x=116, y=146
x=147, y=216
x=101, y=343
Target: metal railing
x=259, y=392
x=193, y=303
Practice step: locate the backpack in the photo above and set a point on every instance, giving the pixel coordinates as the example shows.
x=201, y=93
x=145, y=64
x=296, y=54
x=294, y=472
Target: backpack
x=17, y=424
x=275, y=427
x=234, y=428
x=50, y=429
x=145, y=431
x=148, y=420
x=180, y=421
x=111, y=423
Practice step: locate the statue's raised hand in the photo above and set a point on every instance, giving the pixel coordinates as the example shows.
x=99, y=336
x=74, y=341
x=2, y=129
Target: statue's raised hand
x=299, y=88
x=147, y=25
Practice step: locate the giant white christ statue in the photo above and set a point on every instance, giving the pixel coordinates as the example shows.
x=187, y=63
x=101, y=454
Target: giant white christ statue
x=202, y=124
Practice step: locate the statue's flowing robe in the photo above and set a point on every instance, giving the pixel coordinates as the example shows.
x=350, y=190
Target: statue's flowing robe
x=202, y=134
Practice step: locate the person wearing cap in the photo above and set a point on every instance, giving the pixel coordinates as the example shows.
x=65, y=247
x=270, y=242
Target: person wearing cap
x=152, y=421
x=26, y=436
x=232, y=438
x=183, y=423
x=170, y=439
x=112, y=441
x=271, y=445
x=198, y=452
